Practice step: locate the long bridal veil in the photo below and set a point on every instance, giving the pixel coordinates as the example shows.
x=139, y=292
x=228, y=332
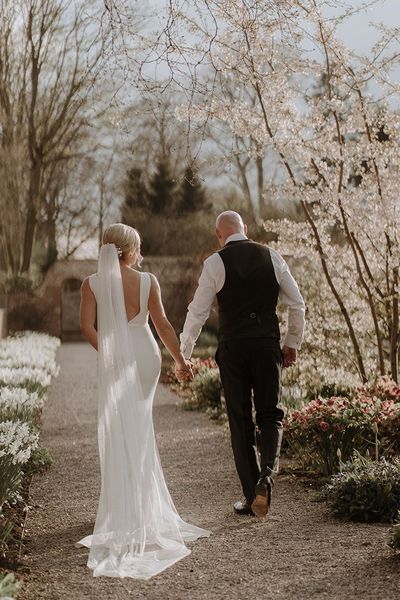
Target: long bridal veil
x=138, y=532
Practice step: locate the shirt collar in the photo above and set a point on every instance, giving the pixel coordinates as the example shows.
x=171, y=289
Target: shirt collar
x=235, y=237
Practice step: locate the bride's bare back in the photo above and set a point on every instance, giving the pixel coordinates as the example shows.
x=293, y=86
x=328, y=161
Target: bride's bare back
x=131, y=285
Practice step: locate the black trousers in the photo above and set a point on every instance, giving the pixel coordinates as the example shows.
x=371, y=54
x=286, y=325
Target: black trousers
x=253, y=367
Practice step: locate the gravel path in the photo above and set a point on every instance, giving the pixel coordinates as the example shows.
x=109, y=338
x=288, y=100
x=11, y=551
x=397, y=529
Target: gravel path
x=299, y=552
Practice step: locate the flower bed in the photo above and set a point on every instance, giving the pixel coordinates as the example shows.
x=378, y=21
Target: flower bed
x=27, y=364
x=328, y=430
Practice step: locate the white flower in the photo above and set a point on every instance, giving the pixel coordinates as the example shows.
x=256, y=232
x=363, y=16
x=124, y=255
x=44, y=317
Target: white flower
x=17, y=398
x=17, y=441
x=23, y=375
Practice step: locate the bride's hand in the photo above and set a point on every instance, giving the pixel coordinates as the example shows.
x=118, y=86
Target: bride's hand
x=183, y=370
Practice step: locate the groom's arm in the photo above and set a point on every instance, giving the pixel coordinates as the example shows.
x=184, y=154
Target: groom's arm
x=289, y=294
x=211, y=281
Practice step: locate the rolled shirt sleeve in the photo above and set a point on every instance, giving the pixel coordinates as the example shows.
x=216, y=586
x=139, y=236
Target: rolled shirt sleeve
x=290, y=296
x=199, y=309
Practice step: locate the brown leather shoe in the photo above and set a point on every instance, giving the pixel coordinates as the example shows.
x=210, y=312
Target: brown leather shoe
x=262, y=501
x=243, y=508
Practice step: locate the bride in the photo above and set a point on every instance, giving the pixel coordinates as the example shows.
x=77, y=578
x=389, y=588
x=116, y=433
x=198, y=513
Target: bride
x=138, y=532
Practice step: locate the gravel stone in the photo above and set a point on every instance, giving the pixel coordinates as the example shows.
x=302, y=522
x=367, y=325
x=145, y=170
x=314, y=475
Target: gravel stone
x=298, y=552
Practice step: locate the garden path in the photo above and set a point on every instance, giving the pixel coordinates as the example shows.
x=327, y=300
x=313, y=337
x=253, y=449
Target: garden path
x=299, y=552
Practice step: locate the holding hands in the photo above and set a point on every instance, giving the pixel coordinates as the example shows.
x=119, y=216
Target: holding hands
x=183, y=370
x=289, y=356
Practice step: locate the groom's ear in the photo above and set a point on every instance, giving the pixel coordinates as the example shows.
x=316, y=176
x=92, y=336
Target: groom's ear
x=245, y=229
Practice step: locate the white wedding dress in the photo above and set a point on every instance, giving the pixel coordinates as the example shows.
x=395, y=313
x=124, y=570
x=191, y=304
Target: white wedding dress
x=138, y=532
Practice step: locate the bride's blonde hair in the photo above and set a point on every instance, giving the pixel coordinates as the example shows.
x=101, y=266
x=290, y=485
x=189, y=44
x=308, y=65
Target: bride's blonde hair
x=125, y=238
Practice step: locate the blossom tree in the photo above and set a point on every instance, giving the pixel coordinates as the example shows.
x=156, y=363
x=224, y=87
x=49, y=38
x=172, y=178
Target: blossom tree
x=334, y=142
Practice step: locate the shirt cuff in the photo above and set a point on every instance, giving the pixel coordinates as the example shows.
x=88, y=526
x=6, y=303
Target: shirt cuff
x=292, y=341
x=187, y=348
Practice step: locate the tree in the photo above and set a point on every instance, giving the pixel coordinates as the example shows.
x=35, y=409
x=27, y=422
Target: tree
x=49, y=57
x=192, y=197
x=261, y=46
x=135, y=190
x=161, y=196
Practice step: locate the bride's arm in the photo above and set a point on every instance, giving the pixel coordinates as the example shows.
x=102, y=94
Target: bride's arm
x=163, y=326
x=88, y=314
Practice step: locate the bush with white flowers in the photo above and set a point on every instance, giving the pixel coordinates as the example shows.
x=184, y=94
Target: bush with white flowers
x=27, y=364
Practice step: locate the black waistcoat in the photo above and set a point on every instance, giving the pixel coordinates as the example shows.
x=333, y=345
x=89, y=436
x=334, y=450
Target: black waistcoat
x=248, y=298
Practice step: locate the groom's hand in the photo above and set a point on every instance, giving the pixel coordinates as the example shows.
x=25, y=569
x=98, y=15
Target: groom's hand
x=183, y=372
x=289, y=356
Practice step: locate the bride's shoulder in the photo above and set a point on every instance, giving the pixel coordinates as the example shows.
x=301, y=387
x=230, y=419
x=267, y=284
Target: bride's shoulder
x=154, y=283
x=153, y=278
x=88, y=282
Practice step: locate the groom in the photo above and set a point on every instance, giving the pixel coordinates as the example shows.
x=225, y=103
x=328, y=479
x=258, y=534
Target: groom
x=248, y=278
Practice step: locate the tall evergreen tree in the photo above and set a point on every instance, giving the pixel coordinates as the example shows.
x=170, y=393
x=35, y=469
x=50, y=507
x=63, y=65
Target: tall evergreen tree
x=161, y=189
x=135, y=196
x=192, y=194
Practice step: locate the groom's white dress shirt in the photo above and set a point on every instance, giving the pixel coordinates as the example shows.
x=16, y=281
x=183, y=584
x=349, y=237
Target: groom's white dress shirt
x=212, y=280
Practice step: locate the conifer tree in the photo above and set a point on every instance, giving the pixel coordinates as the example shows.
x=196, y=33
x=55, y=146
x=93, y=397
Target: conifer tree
x=135, y=195
x=192, y=195
x=162, y=189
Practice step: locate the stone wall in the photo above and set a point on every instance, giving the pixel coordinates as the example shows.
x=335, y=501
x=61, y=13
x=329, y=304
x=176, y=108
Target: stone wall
x=54, y=306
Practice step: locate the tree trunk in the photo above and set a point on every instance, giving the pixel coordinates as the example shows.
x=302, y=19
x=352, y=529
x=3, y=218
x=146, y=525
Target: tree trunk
x=394, y=337
x=30, y=228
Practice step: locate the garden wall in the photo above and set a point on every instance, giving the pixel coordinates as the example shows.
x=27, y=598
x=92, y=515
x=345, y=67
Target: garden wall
x=54, y=306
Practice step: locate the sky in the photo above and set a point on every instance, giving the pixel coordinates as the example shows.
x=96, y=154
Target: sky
x=357, y=33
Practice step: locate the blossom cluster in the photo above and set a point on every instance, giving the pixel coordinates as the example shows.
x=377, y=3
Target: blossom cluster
x=327, y=430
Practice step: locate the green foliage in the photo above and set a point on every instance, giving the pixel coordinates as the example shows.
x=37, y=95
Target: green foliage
x=9, y=586
x=207, y=339
x=28, y=414
x=328, y=390
x=169, y=208
x=40, y=460
x=10, y=481
x=366, y=490
x=192, y=194
x=395, y=536
x=161, y=189
x=6, y=527
x=135, y=193
x=206, y=387
x=30, y=386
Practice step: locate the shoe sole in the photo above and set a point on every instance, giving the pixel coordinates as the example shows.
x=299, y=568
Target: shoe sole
x=260, y=506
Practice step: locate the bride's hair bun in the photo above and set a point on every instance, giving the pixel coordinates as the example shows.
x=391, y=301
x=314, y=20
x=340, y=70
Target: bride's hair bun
x=125, y=238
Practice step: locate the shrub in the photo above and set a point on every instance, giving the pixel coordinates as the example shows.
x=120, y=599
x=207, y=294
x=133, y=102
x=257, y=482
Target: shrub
x=366, y=490
x=9, y=586
x=6, y=527
x=207, y=388
x=198, y=366
x=328, y=430
x=40, y=460
x=395, y=537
